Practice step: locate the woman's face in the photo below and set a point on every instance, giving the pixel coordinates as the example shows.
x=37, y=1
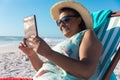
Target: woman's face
x=69, y=23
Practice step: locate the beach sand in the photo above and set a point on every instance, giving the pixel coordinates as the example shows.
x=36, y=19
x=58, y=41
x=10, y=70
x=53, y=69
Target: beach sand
x=14, y=63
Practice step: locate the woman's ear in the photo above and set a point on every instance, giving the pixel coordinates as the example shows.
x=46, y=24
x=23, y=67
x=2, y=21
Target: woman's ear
x=79, y=20
x=81, y=23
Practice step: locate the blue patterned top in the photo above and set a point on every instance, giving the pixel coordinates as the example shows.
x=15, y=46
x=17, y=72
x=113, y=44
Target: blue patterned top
x=70, y=47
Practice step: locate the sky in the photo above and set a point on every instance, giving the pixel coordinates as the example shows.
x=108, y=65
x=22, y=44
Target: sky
x=12, y=13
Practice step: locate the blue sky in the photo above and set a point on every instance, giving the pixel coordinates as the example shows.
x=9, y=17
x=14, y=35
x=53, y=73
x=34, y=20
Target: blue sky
x=12, y=13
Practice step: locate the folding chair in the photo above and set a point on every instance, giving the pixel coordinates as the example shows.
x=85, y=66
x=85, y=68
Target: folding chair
x=109, y=35
x=117, y=55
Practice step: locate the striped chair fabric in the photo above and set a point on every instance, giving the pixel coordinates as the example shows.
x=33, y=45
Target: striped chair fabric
x=109, y=35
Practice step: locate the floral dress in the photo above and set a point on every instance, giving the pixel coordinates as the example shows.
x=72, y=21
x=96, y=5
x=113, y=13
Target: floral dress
x=70, y=48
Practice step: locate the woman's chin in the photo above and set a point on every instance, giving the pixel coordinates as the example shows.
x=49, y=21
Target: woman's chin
x=67, y=35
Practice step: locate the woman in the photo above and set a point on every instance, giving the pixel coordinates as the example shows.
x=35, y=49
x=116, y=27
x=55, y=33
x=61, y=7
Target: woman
x=73, y=59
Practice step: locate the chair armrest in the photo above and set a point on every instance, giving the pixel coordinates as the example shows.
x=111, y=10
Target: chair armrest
x=116, y=13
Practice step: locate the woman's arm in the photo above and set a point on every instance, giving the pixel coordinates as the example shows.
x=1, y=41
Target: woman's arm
x=36, y=62
x=89, y=51
x=34, y=58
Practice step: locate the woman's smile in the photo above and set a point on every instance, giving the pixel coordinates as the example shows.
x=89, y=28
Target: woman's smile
x=65, y=30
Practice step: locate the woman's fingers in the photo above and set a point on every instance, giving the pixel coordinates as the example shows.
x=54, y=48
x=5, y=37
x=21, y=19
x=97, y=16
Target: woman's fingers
x=20, y=45
x=33, y=39
x=26, y=43
x=23, y=44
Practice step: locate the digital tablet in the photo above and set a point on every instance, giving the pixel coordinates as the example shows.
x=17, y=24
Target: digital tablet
x=30, y=26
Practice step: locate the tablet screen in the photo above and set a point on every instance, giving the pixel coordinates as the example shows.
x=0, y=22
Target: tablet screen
x=30, y=26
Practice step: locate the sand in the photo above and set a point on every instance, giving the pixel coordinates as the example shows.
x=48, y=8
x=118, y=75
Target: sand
x=14, y=63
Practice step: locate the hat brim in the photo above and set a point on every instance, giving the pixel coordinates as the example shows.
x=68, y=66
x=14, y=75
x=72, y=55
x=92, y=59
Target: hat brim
x=74, y=5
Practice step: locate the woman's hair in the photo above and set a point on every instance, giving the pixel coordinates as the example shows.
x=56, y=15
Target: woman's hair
x=74, y=12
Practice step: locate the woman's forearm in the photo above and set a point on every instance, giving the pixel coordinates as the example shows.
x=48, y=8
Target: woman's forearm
x=70, y=65
x=36, y=62
x=74, y=67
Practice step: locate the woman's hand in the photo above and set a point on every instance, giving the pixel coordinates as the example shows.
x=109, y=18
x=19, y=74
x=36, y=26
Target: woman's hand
x=39, y=45
x=24, y=47
x=31, y=51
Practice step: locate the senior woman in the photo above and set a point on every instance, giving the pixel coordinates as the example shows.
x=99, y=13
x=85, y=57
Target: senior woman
x=77, y=57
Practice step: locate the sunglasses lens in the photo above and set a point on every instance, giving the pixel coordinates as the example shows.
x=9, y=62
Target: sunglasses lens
x=58, y=22
x=65, y=19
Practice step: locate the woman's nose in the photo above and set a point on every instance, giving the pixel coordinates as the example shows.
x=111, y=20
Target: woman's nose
x=62, y=24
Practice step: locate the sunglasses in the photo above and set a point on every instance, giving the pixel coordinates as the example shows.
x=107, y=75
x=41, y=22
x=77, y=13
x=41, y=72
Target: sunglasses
x=65, y=19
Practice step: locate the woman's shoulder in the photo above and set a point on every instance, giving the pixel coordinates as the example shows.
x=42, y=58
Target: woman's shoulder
x=90, y=38
x=90, y=33
x=87, y=31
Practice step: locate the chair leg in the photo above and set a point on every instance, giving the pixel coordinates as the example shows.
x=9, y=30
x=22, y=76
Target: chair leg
x=112, y=65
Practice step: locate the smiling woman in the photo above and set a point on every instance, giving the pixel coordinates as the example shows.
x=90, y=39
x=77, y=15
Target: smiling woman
x=76, y=49
x=75, y=26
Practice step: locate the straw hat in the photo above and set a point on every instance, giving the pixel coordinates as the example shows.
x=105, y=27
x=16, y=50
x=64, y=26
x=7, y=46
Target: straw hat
x=74, y=5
